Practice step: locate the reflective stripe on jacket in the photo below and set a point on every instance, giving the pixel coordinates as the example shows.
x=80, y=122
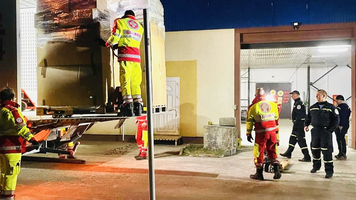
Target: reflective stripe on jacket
x=263, y=115
x=323, y=115
x=127, y=33
x=13, y=129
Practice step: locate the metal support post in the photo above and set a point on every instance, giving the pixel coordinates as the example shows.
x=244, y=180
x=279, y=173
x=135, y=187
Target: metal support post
x=149, y=106
x=248, y=85
x=123, y=132
x=308, y=89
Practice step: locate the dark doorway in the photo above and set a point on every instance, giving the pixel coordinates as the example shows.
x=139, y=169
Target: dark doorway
x=282, y=92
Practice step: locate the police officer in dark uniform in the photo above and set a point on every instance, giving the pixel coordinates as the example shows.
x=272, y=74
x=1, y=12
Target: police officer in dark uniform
x=323, y=116
x=298, y=134
x=344, y=123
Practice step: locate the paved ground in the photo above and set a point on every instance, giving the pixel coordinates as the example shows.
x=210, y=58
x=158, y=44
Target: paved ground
x=115, y=176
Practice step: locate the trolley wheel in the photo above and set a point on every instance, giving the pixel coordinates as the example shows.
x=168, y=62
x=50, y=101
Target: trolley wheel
x=267, y=167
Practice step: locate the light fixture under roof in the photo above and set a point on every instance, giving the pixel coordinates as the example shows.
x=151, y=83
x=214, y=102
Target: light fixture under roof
x=333, y=49
x=324, y=56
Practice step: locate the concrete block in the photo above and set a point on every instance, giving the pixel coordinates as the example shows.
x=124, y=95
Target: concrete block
x=227, y=121
x=221, y=138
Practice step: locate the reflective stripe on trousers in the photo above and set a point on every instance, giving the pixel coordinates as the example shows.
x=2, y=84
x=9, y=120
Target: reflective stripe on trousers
x=265, y=130
x=268, y=141
x=10, y=169
x=130, y=79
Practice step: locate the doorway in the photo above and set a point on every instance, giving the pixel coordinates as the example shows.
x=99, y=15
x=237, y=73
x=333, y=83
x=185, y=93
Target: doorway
x=309, y=36
x=168, y=122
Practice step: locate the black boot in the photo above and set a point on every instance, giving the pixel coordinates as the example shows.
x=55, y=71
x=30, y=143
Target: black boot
x=140, y=158
x=286, y=154
x=137, y=108
x=277, y=172
x=138, y=155
x=338, y=156
x=314, y=170
x=305, y=159
x=329, y=175
x=258, y=175
x=306, y=156
x=126, y=111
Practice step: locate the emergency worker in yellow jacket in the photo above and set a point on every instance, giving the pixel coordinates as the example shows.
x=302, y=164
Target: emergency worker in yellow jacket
x=13, y=136
x=263, y=115
x=127, y=33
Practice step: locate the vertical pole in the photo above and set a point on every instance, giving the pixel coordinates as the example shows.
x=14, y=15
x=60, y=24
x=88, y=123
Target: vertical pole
x=18, y=50
x=237, y=82
x=308, y=89
x=248, y=85
x=149, y=106
x=113, y=68
x=353, y=90
x=123, y=131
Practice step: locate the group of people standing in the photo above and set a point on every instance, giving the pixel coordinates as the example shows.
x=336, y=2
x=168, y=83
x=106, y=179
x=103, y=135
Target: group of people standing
x=325, y=118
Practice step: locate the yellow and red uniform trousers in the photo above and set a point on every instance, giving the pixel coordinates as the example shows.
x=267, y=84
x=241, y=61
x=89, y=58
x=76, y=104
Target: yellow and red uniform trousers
x=141, y=135
x=127, y=33
x=13, y=136
x=263, y=115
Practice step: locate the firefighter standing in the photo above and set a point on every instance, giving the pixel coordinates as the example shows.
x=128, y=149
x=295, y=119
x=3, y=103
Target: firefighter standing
x=344, y=124
x=263, y=115
x=323, y=116
x=13, y=136
x=298, y=134
x=127, y=33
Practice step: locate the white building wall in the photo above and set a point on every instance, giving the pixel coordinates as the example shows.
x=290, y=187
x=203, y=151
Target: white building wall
x=214, y=52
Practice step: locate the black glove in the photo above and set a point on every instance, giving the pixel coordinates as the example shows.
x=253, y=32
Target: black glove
x=249, y=138
x=116, y=46
x=35, y=143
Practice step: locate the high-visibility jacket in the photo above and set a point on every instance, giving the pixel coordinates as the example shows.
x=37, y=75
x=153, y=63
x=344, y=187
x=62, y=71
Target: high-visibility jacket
x=127, y=33
x=263, y=115
x=13, y=130
x=257, y=99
